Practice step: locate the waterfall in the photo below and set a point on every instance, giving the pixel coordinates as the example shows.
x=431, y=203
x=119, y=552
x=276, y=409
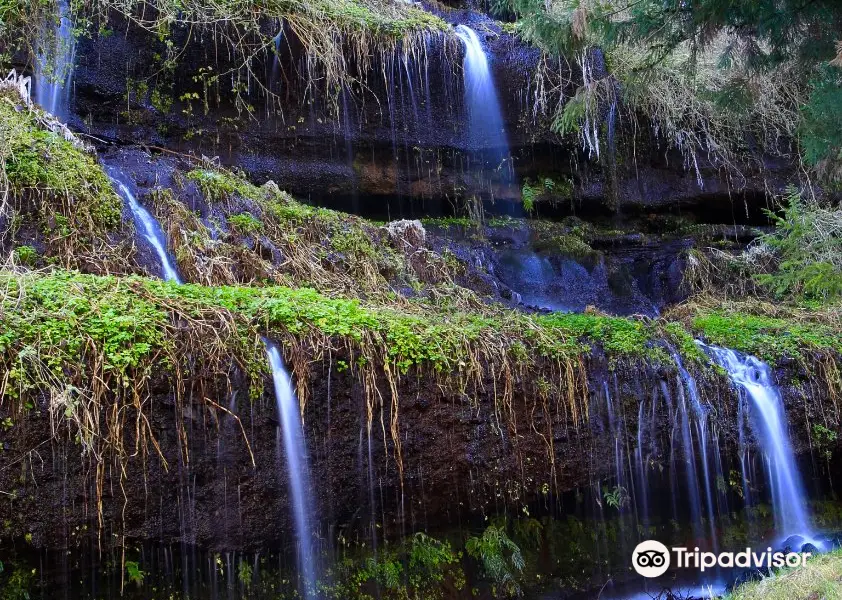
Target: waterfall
x=754, y=378
x=298, y=470
x=151, y=230
x=54, y=64
x=486, y=128
x=701, y=414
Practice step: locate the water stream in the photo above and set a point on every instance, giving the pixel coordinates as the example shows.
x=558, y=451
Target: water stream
x=485, y=120
x=150, y=229
x=54, y=64
x=753, y=377
x=298, y=471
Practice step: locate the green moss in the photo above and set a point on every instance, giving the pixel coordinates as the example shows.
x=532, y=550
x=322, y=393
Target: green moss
x=567, y=245
x=821, y=577
x=26, y=255
x=379, y=19
x=219, y=185
x=684, y=342
x=43, y=164
x=766, y=337
x=618, y=336
x=450, y=222
x=245, y=223
x=128, y=318
x=64, y=317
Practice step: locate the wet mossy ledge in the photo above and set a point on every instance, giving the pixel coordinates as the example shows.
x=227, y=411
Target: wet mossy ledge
x=127, y=326
x=61, y=208
x=339, y=39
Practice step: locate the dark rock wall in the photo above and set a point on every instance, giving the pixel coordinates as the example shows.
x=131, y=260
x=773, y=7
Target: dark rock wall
x=465, y=457
x=398, y=133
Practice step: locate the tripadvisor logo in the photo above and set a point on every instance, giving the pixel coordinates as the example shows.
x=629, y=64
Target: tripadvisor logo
x=652, y=559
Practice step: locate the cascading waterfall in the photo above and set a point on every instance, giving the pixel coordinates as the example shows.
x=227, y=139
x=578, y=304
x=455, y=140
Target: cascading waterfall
x=54, y=64
x=701, y=421
x=486, y=129
x=753, y=377
x=151, y=229
x=298, y=470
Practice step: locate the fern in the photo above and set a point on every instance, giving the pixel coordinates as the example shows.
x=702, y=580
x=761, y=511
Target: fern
x=501, y=559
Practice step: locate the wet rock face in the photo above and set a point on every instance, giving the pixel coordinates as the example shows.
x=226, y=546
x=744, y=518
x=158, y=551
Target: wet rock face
x=459, y=461
x=402, y=136
x=552, y=270
x=456, y=464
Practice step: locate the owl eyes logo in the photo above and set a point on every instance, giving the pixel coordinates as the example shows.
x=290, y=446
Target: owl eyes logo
x=651, y=558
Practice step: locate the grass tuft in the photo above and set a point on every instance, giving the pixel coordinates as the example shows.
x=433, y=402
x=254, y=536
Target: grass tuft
x=821, y=577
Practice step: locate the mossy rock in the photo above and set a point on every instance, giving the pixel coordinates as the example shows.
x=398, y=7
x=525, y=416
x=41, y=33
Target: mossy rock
x=59, y=191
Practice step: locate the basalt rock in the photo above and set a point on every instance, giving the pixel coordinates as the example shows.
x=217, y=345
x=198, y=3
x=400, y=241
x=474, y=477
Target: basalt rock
x=394, y=147
x=459, y=463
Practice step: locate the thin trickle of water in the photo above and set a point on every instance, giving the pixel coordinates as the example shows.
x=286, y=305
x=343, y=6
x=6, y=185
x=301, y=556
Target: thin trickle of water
x=298, y=470
x=371, y=497
x=151, y=230
x=699, y=412
x=753, y=377
x=640, y=460
x=54, y=64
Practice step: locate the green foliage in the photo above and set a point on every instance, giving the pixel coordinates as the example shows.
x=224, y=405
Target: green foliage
x=821, y=123
x=528, y=194
x=26, y=255
x=20, y=26
x=128, y=320
x=571, y=245
x=466, y=222
x=824, y=439
x=18, y=585
x=617, y=335
x=246, y=223
x=339, y=37
x=44, y=164
x=618, y=497
x=134, y=573
x=708, y=75
x=369, y=16
x=770, y=338
x=217, y=185
x=808, y=242
x=60, y=315
x=422, y=568
x=545, y=187
x=500, y=557
x=430, y=561
x=821, y=577
x=244, y=573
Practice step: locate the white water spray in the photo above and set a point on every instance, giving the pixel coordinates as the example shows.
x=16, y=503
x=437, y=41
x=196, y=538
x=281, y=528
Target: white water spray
x=54, y=65
x=753, y=376
x=298, y=470
x=486, y=120
x=151, y=230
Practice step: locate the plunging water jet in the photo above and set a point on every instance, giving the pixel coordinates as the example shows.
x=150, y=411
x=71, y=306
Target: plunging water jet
x=150, y=229
x=54, y=65
x=298, y=470
x=485, y=121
